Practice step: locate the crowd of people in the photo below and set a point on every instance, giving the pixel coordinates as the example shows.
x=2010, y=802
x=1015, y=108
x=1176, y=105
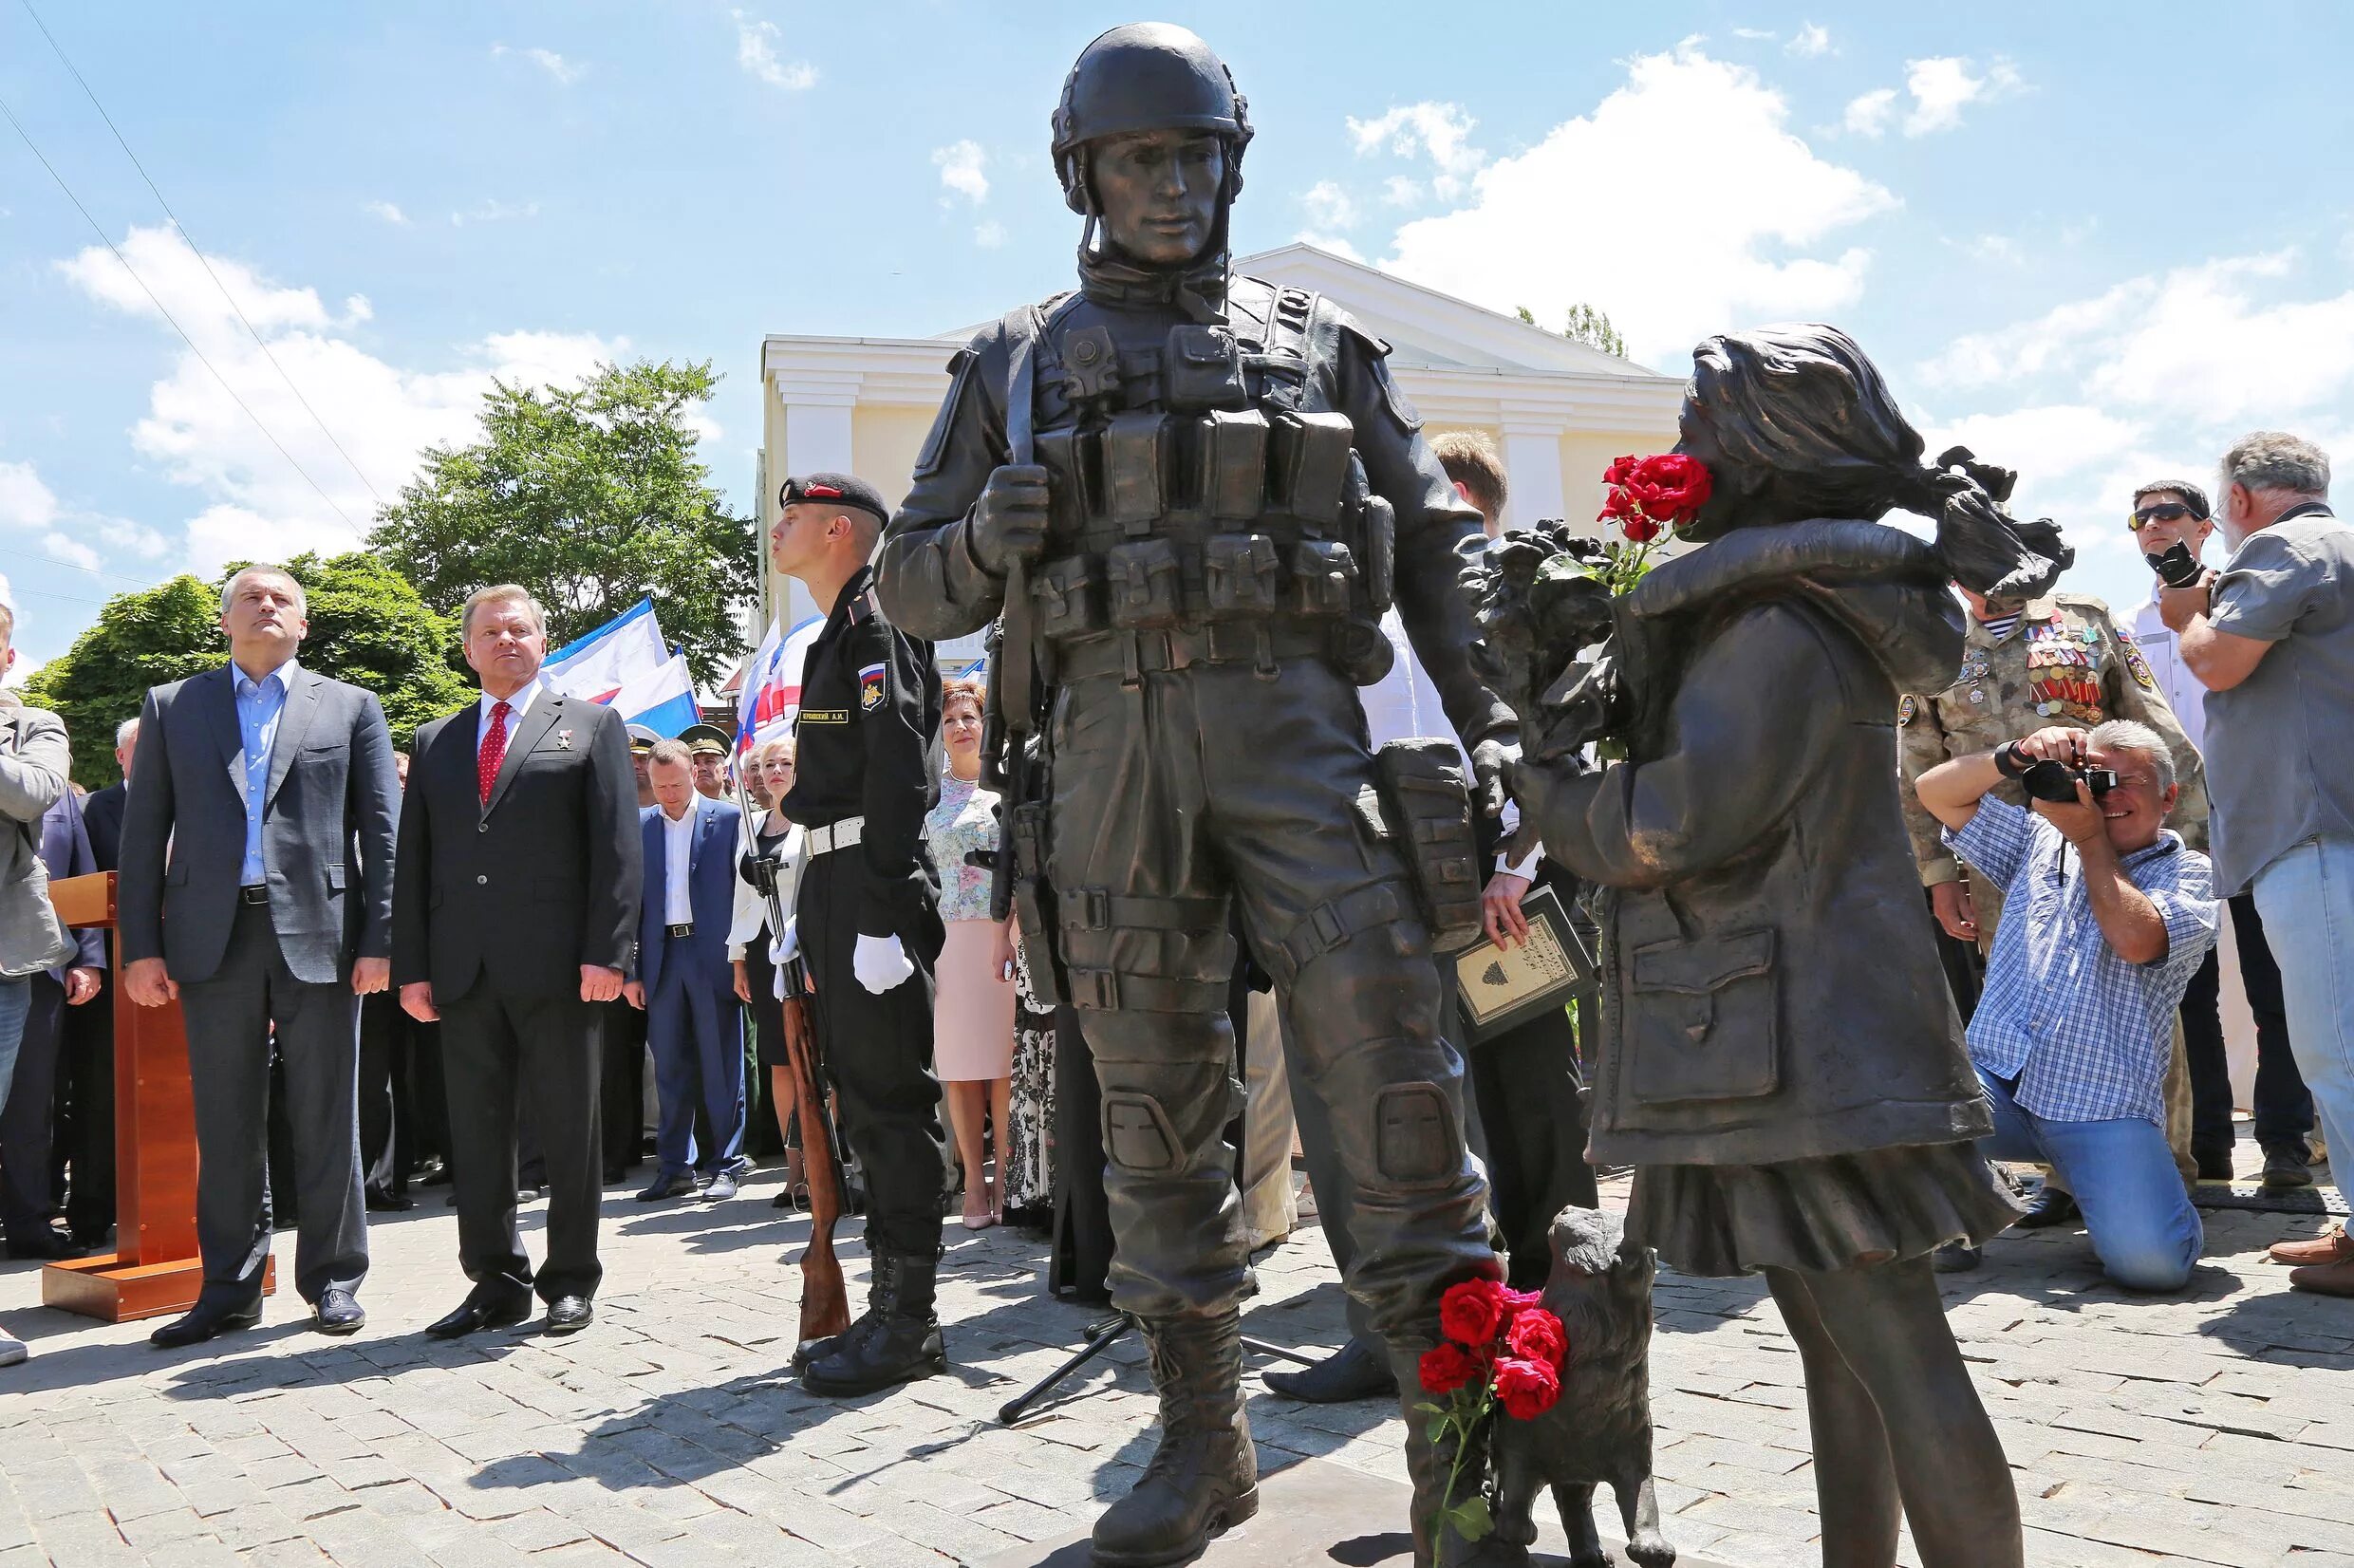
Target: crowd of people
x=450, y=965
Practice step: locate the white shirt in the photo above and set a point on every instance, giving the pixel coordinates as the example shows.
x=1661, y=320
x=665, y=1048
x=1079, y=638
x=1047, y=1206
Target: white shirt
x=1404, y=706
x=678, y=857
x=517, y=705
x=2181, y=689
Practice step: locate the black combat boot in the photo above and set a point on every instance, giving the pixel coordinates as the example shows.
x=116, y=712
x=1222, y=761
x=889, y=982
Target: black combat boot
x=898, y=1339
x=1428, y=1465
x=810, y=1352
x=1205, y=1475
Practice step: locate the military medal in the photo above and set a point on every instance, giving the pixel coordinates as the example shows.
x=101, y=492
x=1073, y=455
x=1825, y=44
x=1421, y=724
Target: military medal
x=564, y=740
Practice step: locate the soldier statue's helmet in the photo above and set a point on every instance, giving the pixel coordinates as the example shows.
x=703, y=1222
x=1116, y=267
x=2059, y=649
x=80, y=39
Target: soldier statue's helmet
x=1145, y=76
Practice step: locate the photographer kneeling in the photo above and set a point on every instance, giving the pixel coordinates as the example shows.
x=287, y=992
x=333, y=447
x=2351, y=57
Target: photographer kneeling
x=2073, y=1032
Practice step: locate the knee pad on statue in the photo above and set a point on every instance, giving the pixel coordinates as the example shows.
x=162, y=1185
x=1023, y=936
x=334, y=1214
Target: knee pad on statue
x=1417, y=1141
x=1139, y=1139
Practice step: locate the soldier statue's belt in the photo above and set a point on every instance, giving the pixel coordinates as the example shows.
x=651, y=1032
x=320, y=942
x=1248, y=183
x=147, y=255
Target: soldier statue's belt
x=1260, y=643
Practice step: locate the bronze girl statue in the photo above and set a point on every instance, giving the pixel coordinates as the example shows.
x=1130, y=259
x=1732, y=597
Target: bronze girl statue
x=1783, y=1065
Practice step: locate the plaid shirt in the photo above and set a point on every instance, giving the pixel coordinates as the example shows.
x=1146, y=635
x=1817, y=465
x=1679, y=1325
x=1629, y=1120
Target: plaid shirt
x=2086, y=1036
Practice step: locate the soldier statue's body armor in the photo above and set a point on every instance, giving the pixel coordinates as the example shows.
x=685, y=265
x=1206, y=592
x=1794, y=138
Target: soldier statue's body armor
x=1237, y=493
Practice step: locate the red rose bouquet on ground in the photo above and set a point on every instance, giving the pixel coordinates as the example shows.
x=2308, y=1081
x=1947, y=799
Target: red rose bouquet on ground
x=1502, y=1350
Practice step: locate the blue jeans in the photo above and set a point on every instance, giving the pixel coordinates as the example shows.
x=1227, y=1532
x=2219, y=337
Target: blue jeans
x=15, y=1002
x=2144, y=1230
x=2306, y=898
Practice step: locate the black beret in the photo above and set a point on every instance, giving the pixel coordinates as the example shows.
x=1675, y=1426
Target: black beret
x=844, y=489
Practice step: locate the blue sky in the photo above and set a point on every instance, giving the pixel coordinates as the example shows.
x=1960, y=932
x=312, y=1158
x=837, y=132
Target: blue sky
x=2094, y=240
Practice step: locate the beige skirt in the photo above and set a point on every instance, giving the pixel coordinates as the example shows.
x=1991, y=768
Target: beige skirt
x=972, y=1009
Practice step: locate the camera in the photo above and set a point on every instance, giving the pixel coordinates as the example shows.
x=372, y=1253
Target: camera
x=2176, y=565
x=2056, y=781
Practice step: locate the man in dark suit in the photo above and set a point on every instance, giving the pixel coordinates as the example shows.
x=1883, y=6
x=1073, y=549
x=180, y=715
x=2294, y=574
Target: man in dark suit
x=27, y=1125
x=684, y=982
x=85, y=1089
x=516, y=916
x=256, y=888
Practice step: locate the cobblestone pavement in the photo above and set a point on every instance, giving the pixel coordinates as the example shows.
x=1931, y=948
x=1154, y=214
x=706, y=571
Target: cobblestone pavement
x=2212, y=1427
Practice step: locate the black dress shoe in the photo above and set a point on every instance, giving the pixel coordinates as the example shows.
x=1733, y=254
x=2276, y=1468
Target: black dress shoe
x=2286, y=1167
x=2214, y=1168
x=384, y=1200
x=1358, y=1370
x=205, y=1321
x=570, y=1313
x=2049, y=1207
x=615, y=1173
x=338, y=1312
x=47, y=1244
x=484, y=1312
x=680, y=1185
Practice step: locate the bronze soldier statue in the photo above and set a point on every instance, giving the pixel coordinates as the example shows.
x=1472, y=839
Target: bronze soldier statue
x=1191, y=496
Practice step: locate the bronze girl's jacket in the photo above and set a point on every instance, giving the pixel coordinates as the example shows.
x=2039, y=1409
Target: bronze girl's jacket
x=1772, y=988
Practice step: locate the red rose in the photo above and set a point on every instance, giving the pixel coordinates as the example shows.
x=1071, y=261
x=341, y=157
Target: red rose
x=1616, y=474
x=1518, y=1301
x=1535, y=1336
x=1638, y=529
x=1670, y=487
x=1470, y=1313
x=1526, y=1389
x=1615, y=505
x=1447, y=1367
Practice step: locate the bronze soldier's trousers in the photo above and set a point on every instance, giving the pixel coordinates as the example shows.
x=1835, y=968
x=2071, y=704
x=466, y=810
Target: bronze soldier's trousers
x=1172, y=794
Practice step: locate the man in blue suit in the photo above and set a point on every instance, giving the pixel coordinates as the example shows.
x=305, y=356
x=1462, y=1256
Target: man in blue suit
x=25, y=1126
x=683, y=981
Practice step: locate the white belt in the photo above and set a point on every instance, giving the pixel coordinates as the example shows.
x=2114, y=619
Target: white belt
x=841, y=836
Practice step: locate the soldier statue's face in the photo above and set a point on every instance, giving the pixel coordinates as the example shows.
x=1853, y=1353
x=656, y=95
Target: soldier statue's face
x=1159, y=192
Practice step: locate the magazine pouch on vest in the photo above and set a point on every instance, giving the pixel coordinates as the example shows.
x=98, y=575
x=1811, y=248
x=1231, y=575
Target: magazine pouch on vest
x=1429, y=802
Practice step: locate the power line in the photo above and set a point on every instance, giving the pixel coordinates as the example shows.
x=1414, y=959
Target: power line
x=58, y=561
x=189, y=240
x=27, y=137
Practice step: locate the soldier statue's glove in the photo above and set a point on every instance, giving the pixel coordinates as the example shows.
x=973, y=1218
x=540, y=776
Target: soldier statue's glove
x=1490, y=759
x=880, y=964
x=1009, y=520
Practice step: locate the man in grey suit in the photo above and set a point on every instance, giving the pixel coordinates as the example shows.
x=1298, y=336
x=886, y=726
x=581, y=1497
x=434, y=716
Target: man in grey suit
x=256, y=888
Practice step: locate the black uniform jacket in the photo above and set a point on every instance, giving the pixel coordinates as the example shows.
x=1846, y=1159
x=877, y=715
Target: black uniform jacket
x=863, y=747
x=546, y=878
x=1772, y=990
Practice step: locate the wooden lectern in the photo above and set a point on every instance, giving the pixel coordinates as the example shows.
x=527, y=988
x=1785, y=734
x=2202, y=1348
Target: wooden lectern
x=154, y=1269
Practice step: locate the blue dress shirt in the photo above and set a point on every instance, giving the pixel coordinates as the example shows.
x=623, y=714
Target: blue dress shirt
x=259, y=705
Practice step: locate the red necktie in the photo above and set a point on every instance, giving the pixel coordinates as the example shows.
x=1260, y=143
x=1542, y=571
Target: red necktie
x=494, y=751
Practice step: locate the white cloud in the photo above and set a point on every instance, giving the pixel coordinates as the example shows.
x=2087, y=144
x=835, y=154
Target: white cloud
x=1528, y=237
x=1338, y=243
x=24, y=500
x=1405, y=189
x=990, y=236
x=1810, y=41
x=1996, y=248
x=70, y=551
x=963, y=171
x=1755, y=34
x=1943, y=86
x=755, y=51
x=383, y=415
x=1329, y=206
x=1441, y=132
x=389, y=212
x=1869, y=114
x=495, y=211
x=563, y=71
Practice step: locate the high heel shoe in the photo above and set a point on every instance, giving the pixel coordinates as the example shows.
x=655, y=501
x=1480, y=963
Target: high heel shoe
x=997, y=1203
x=978, y=1219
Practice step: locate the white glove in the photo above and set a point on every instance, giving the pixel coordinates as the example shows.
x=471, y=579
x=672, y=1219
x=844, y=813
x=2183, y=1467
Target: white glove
x=880, y=964
x=788, y=944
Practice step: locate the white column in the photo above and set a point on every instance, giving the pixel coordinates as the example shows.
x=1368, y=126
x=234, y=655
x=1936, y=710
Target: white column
x=817, y=440
x=1532, y=468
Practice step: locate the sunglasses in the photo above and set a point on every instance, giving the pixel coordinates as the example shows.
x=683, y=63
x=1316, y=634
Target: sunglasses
x=2165, y=512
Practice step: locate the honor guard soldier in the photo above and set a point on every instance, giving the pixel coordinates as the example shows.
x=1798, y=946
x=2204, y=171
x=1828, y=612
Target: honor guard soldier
x=2057, y=659
x=1191, y=496
x=866, y=918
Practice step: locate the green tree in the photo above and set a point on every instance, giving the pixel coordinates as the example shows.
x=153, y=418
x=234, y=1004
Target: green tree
x=367, y=626
x=1587, y=326
x=591, y=496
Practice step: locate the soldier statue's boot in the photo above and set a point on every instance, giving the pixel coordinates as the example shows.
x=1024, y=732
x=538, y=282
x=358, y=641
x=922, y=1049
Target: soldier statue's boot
x=1429, y=1463
x=810, y=1352
x=896, y=1341
x=1205, y=1475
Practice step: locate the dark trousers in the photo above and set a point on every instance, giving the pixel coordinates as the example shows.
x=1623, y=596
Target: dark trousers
x=1525, y=1084
x=621, y=1092
x=429, y=1099
x=89, y=1091
x=764, y=1120
x=386, y=1133
x=230, y=1017
x=28, y=1122
x=493, y=1047
x=695, y=1026
x=878, y=1054
x=1081, y=1263
x=2284, y=1109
